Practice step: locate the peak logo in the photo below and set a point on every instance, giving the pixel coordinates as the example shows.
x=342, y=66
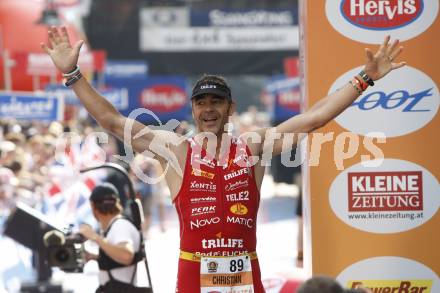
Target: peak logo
x=368, y=21
x=390, y=274
x=398, y=196
x=163, y=98
x=409, y=98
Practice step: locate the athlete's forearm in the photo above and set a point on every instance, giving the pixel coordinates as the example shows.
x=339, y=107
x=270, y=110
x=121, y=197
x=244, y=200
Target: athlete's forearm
x=316, y=117
x=332, y=105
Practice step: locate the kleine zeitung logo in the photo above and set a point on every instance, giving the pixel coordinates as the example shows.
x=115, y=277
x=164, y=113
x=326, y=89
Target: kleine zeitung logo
x=394, y=197
x=385, y=191
x=390, y=274
x=400, y=103
x=369, y=21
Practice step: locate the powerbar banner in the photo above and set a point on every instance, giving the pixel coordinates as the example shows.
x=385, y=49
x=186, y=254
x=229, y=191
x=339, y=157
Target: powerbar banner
x=372, y=191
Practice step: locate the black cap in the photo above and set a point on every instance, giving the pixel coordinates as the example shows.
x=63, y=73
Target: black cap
x=211, y=88
x=104, y=192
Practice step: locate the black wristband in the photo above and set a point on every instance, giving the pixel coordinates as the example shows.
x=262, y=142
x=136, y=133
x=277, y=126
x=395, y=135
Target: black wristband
x=366, y=78
x=73, y=79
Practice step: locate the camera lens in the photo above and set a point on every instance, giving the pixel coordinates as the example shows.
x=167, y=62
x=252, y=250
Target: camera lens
x=62, y=255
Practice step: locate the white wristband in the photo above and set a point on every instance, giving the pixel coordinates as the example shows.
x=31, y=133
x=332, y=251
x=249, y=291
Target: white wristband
x=71, y=73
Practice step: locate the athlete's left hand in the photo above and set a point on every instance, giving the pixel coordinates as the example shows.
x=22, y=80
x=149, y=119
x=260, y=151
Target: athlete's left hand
x=378, y=65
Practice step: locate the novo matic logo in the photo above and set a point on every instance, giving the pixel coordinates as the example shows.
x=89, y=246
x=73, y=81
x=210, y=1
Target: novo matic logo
x=400, y=103
x=368, y=21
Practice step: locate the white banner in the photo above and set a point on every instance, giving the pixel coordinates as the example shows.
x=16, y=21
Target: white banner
x=178, y=39
x=41, y=64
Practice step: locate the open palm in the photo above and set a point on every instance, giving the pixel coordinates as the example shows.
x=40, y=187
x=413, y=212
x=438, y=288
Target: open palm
x=379, y=64
x=64, y=56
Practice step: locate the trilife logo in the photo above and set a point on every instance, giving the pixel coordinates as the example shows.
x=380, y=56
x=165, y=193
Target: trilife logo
x=385, y=191
x=381, y=14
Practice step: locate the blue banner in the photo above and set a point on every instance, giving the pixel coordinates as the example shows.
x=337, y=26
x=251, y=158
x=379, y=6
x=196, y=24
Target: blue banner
x=117, y=96
x=166, y=97
x=244, y=17
x=285, y=95
x=125, y=69
x=62, y=92
x=24, y=106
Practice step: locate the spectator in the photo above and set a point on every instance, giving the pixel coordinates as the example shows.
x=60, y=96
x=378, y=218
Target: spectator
x=324, y=284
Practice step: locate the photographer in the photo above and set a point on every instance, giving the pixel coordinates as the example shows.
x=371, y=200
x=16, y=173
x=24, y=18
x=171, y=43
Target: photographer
x=119, y=244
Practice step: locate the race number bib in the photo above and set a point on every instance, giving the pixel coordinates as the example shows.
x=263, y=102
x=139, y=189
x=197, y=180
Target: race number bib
x=226, y=274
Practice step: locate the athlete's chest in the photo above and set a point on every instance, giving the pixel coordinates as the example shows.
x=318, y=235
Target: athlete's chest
x=217, y=193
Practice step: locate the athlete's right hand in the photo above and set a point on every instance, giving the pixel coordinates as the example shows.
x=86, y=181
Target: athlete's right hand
x=63, y=55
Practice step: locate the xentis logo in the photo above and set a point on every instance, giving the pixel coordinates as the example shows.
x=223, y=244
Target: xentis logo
x=385, y=191
x=200, y=186
x=382, y=14
x=368, y=21
x=408, y=100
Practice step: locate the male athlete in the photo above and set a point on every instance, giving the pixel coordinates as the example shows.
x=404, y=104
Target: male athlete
x=215, y=179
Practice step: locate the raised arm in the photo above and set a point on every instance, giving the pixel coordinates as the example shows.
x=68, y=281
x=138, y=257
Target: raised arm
x=377, y=66
x=65, y=58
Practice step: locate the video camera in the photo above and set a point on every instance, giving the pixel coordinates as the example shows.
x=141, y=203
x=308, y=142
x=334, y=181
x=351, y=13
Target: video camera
x=65, y=251
x=55, y=246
